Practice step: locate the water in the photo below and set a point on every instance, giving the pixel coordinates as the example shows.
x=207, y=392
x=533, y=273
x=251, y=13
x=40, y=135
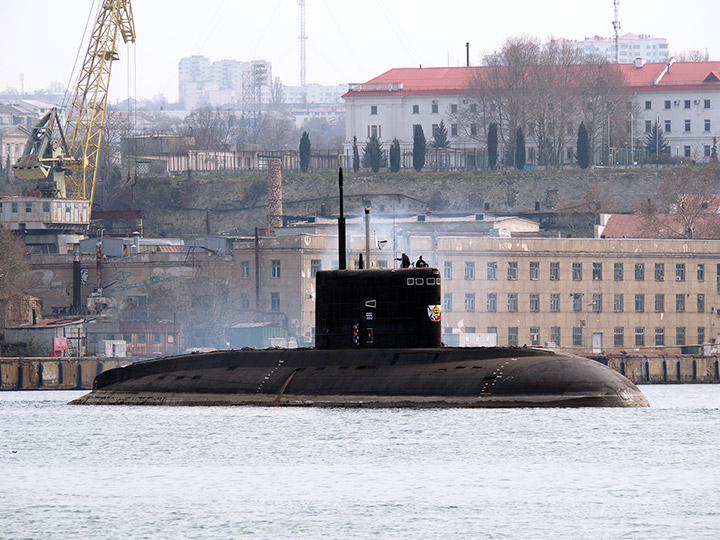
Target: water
x=265, y=473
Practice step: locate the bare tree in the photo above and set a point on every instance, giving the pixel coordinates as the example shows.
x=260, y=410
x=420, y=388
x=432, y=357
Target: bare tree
x=693, y=55
x=211, y=127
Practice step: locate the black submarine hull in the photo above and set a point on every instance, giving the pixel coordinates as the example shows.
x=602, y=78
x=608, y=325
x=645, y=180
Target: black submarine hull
x=421, y=377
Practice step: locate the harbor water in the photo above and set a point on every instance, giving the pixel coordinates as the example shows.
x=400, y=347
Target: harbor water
x=84, y=472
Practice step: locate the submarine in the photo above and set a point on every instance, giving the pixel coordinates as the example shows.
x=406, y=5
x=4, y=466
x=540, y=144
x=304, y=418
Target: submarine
x=377, y=344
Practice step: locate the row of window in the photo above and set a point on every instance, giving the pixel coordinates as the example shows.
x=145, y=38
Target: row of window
x=491, y=272
x=14, y=207
x=576, y=302
x=687, y=126
x=142, y=338
x=618, y=336
x=667, y=104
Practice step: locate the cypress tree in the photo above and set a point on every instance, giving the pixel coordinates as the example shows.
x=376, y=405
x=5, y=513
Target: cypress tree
x=418, y=148
x=713, y=152
x=356, y=155
x=492, y=145
x=372, y=154
x=304, y=152
x=655, y=142
x=519, y=149
x=583, y=147
x=395, y=156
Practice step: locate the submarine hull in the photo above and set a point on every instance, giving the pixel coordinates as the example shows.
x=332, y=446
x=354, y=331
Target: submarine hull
x=445, y=377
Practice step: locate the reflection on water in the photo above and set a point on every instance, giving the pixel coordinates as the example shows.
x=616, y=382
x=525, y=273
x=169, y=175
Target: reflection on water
x=246, y=472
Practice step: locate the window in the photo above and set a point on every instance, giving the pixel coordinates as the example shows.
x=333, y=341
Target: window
x=46, y=207
x=680, y=272
x=639, y=272
x=680, y=336
x=555, y=335
x=274, y=301
x=717, y=279
x=28, y=207
x=639, y=337
x=659, y=272
x=512, y=302
x=469, y=301
x=668, y=126
x=141, y=338
x=639, y=303
x=453, y=130
x=534, y=270
x=619, y=336
x=375, y=131
x=707, y=124
x=707, y=151
x=577, y=271
x=577, y=301
x=706, y=104
x=667, y=104
x=535, y=335
x=618, y=306
x=555, y=302
x=382, y=263
x=492, y=270
x=416, y=109
x=14, y=208
x=469, y=270
x=679, y=303
x=435, y=130
x=127, y=338
x=577, y=340
x=687, y=126
x=659, y=337
x=700, y=335
x=597, y=302
x=554, y=271
x=275, y=268
x=512, y=271
x=315, y=267
x=473, y=130
x=513, y=336
x=648, y=105
x=447, y=302
x=597, y=271
x=473, y=108
x=492, y=330
x=701, y=303
x=618, y=271
x=686, y=150
x=434, y=108
x=686, y=104
x=453, y=108
x=534, y=302
x=244, y=301
x=447, y=270
x=659, y=302
x=569, y=153
x=157, y=338
x=491, y=302
x=373, y=109
x=648, y=126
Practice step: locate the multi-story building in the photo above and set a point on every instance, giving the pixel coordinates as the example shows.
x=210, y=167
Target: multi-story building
x=630, y=47
x=683, y=97
x=203, y=82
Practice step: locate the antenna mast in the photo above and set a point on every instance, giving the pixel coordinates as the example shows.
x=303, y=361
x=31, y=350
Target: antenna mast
x=616, y=26
x=303, y=38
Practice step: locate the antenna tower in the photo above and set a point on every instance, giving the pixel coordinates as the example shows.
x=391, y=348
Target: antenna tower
x=616, y=26
x=303, y=38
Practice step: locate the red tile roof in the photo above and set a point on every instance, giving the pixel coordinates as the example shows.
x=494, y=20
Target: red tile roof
x=661, y=226
x=454, y=80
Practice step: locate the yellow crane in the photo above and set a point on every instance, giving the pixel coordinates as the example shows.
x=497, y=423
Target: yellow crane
x=69, y=163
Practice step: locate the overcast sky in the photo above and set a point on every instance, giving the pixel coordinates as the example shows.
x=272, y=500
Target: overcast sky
x=348, y=41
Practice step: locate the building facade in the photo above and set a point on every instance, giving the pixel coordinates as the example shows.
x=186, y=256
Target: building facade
x=630, y=46
x=682, y=97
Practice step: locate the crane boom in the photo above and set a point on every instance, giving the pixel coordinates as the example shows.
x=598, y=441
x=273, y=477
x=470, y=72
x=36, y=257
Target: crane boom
x=86, y=118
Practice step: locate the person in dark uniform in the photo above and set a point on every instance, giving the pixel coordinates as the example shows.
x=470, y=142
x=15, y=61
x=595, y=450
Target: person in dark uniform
x=420, y=263
x=404, y=261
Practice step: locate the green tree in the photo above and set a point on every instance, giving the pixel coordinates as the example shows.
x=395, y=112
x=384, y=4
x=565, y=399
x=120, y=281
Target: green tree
x=304, y=151
x=713, y=152
x=583, y=147
x=492, y=145
x=395, y=156
x=356, y=155
x=655, y=142
x=373, y=154
x=519, y=149
x=418, y=147
x=440, y=136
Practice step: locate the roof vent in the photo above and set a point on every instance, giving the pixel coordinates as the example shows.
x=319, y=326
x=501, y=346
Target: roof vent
x=639, y=62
